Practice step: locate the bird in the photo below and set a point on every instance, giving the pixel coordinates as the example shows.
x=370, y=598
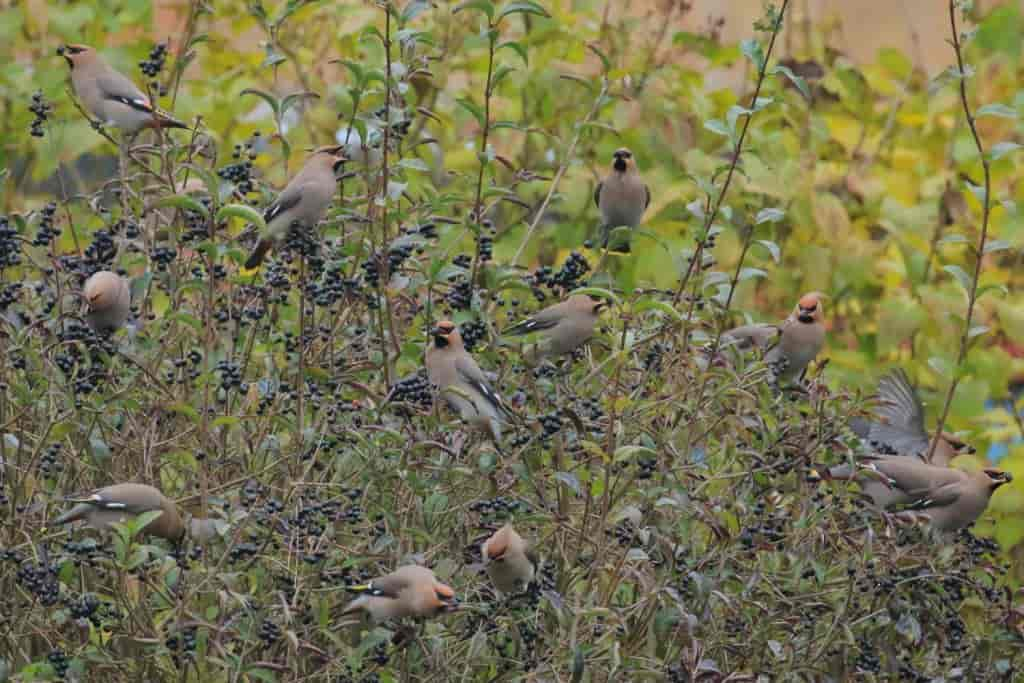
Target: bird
x=508, y=560
x=409, y=591
x=108, y=301
x=950, y=499
x=789, y=347
x=898, y=427
x=622, y=197
x=111, y=96
x=957, y=504
x=461, y=382
x=117, y=503
x=566, y=325
x=303, y=201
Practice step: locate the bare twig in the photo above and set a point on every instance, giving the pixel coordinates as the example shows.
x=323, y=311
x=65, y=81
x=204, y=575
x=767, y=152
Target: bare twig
x=972, y=293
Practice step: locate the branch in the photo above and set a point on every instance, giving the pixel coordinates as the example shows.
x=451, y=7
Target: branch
x=972, y=293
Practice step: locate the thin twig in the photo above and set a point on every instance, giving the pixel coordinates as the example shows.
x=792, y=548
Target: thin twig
x=972, y=294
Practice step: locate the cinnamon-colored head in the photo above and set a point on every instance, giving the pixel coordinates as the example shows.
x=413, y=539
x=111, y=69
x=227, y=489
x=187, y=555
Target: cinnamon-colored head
x=809, y=308
x=623, y=161
x=446, y=335
x=76, y=54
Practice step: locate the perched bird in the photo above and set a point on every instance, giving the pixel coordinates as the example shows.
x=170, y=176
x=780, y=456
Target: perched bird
x=622, y=196
x=461, y=382
x=789, y=347
x=951, y=499
x=899, y=425
x=409, y=591
x=509, y=561
x=303, y=201
x=111, y=96
x=116, y=503
x=566, y=325
x=108, y=301
x=956, y=504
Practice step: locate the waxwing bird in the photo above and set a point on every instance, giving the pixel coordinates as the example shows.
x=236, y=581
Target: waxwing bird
x=951, y=499
x=116, y=503
x=622, y=197
x=957, y=504
x=461, y=382
x=508, y=560
x=111, y=96
x=890, y=480
x=565, y=326
x=789, y=347
x=409, y=591
x=899, y=425
x=108, y=301
x=303, y=201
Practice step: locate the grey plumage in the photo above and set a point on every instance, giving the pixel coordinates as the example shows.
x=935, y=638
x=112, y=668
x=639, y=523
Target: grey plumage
x=951, y=499
x=409, y=591
x=622, y=197
x=120, y=502
x=302, y=202
x=565, y=326
x=111, y=96
x=108, y=301
x=461, y=382
x=899, y=425
x=509, y=561
x=789, y=347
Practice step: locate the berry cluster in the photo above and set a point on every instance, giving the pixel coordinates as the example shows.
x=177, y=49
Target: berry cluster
x=414, y=389
x=240, y=172
x=46, y=232
x=155, y=64
x=10, y=245
x=472, y=333
x=41, y=109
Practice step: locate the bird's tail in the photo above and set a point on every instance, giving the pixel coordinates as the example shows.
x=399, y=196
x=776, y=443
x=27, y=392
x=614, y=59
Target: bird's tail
x=163, y=120
x=73, y=515
x=258, y=254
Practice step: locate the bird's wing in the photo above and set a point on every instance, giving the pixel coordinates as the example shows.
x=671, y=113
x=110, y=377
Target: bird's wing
x=533, y=557
x=541, y=320
x=900, y=426
x=597, y=194
x=940, y=496
x=471, y=373
x=647, y=197
x=762, y=335
x=289, y=197
x=116, y=86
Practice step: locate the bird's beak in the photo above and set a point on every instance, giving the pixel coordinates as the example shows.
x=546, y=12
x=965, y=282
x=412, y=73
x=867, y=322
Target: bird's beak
x=452, y=605
x=1004, y=478
x=63, y=52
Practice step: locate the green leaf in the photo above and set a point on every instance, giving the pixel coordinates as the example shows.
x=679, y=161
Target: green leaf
x=266, y=97
x=570, y=480
x=290, y=101
x=961, y=276
x=772, y=248
x=718, y=126
x=751, y=273
x=517, y=48
x=473, y=109
x=751, y=48
x=769, y=215
x=183, y=202
x=996, y=245
x=522, y=7
x=798, y=81
x=479, y=5
x=996, y=109
x=246, y=213
x=1001, y=149
x=597, y=292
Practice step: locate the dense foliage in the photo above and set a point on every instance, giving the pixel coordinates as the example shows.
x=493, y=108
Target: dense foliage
x=681, y=537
